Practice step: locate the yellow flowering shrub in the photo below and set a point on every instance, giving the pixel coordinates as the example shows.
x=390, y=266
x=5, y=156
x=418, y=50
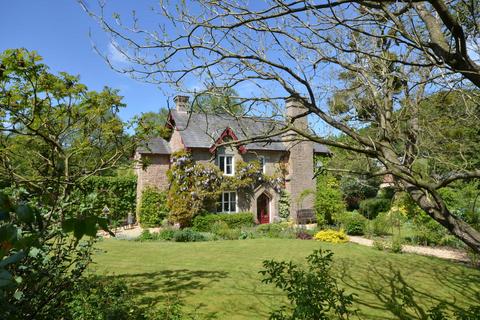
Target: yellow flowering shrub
x=330, y=235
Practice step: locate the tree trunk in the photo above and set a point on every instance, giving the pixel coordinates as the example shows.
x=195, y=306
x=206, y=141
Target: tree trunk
x=440, y=213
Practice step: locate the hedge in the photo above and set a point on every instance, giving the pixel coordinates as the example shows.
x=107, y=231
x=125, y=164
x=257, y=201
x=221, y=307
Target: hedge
x=204, y=223
x=153, y=207
x=117, y=193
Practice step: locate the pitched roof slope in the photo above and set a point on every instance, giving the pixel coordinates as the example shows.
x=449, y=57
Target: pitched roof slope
x=199, y=130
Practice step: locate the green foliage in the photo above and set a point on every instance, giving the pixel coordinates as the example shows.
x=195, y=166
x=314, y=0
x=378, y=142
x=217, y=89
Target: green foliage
x=153, y=207
x=352, y=222
x=328, y=199
x=71, y=135
x=27, y=260
x=356, y=189
x=153, y=124
x=117, y=193
x=195, y=187
x=102, y=298
x=276, y=230
x=463, y=199
x=380, y=226
x=370, y=208
x=54, y=134
x=177, y=235
x=217, y=100
x=329, y=235
x=191, y=186
x=313, y=292
x=284, y=204
x=96, y=297
x=233, y=220
x=223, y=231
x=188, y=235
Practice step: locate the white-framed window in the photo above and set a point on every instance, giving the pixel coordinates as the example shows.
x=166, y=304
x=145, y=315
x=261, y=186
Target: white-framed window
x=261, y=159
x=226, y=164
x=227, y=202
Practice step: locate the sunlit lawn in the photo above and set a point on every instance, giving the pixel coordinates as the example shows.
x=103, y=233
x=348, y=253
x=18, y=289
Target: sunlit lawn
x=220, y=279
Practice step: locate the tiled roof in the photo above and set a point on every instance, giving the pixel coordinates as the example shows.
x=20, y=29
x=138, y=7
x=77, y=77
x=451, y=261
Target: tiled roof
x=156, y=146
x=199, y=130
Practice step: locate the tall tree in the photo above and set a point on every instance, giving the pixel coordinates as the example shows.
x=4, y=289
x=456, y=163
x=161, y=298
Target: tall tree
x=381, y=56
x=54, y=134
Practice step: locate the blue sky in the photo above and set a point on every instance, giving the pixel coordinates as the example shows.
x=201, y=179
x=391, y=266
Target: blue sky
x=59, y=31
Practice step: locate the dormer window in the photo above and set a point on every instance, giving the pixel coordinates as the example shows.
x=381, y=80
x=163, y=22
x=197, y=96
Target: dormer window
x=225, y=163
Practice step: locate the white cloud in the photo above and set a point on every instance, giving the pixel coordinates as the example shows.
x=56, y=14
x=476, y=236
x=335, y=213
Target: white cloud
x=116, y=55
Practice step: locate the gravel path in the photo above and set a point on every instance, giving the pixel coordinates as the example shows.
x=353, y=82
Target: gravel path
x=450, y=254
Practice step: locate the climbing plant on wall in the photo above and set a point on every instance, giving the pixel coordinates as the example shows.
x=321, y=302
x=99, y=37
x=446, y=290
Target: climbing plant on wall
x=195, y=187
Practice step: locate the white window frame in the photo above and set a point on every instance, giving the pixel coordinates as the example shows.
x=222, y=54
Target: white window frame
x=223, y=158
x=263, y=163
x=228, y=203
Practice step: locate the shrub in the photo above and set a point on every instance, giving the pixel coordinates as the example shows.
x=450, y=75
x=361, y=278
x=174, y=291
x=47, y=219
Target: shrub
x=153, y=207
x=313, y=292
x=222, y=231
x=396, y=245
x=102, y=298
x=370, y=208
x=276, y=230
x=330, y=235
x=380, y=224
x=166, y=234
x=188, y=235
x=233, y=220
x=328, y=199
x=284, y=204
x=352, y=222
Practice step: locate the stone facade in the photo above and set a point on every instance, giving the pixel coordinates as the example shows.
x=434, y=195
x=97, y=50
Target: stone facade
x=300, y=182
x=294, y=160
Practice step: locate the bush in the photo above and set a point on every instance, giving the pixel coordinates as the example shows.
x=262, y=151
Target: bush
x=97, y=298
x=102, y=298
x=222, y=231
x=370, y=208
x=352, y=222
x=328, y=199
x=330, y=235
x=233, y=220
x=284, y=204
x=313, y=292
x=379, y=226
x=153, y=207
x=188, y=235
x=276, y=230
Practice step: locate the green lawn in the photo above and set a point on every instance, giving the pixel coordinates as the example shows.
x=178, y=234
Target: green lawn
x=220, y=279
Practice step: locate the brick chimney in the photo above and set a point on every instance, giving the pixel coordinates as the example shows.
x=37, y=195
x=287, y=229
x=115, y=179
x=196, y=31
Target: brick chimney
x=300, y=161
x=181, y=103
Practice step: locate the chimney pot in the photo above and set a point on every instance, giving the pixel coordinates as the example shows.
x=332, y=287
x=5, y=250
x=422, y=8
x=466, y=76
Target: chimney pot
x=181, y=103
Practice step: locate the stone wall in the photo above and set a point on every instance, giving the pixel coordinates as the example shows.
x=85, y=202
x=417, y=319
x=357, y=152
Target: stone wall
x=300, y=162
x=155, y=174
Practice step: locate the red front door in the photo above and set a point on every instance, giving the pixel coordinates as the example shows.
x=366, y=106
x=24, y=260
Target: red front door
x=262, y=209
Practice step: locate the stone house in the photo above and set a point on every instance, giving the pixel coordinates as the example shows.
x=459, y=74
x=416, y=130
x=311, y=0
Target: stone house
x=202, y=134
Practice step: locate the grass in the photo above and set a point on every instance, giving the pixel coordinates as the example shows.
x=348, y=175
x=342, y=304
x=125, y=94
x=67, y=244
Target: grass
x=220, y=279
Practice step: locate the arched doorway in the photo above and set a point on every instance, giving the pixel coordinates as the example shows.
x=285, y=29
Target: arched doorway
x=263, y=212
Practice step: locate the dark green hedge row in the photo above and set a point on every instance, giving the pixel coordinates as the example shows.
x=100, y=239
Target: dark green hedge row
x=233, y=220
x=117, y=193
